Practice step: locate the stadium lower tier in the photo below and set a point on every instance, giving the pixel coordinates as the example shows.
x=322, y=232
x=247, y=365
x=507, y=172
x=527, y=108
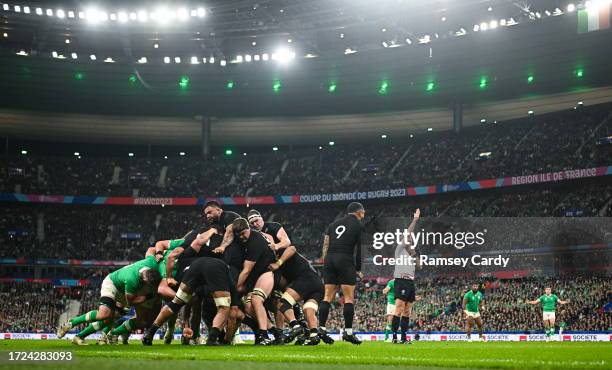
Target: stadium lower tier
x=35, y=308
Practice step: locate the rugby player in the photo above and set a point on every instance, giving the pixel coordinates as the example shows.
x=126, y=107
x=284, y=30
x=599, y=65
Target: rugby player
x=389, y=291
x=549, y=304
x=342, y=255
x=279, y=241
x=255, y=280
x=472, y=306
x=215, y=276
x=129, y=286
x=303, y=284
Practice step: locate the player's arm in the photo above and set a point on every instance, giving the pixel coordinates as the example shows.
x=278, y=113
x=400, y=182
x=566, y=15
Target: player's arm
x=481, y=305
x=464, y=304
x=284, y=240
x=133, y=299
x=170, y=262
x=358, y=257
x=228, y=238
x=532, y=302
x=288, y=253
x=247, y=267
x=325, y=246
x=158, y=251
x=411, y=244
x=203, y=238
x=386, y=290
x=563, y=302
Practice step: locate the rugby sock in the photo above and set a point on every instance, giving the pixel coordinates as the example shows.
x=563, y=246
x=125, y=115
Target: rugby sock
x=87, y=331
x=171, y=324
x=323, y=313
x=213, y=335
x=107, y=328
x=261, y=334
x=294, y=323
x=151, y=331
x=349, y=312
x=395, y=323
x=387, y=331
x=403, y=327
x=89, y=316
x=124, y=328
x=196, y=332
x=251, y=323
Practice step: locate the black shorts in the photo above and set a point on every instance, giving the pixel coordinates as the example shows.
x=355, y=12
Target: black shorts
x=308, y=286
x=404, y=290
x=213, y=273
x=339, y=269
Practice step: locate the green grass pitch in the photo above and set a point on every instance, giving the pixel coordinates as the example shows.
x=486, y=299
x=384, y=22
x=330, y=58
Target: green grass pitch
x=339, y=356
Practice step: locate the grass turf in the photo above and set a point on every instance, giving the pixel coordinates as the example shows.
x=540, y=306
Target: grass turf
x=340, y=356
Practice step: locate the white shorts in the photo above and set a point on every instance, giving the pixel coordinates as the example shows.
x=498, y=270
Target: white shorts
x=109, y=290
x=473, y=315
x=390, y=309
x=548, y=316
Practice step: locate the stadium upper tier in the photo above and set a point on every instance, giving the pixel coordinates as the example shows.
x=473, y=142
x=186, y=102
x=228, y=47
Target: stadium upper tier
x=536, y=144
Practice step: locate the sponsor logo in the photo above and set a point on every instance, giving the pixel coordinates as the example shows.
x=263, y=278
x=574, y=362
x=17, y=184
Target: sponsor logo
x=498, y=337
x=523, y=338
x=567, y=338
x=443, y=337
x=8, y=336
x=584, y=337
x=153, y=201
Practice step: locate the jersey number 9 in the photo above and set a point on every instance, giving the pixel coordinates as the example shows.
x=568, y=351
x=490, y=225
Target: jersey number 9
x=340, y=230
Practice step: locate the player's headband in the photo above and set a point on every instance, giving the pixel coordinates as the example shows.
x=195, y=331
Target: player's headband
x=254, y=217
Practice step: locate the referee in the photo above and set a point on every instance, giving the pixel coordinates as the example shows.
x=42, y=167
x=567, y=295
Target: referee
x=404, y=286
x=342, y=256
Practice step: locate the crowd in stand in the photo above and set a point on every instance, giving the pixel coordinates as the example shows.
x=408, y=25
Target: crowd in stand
x=35, y=307
x=32, y=307
x=124, y=233
x=439, y=304
x=536, y=144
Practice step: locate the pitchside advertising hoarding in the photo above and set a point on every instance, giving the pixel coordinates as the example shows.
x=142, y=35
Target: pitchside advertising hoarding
x=375, y=336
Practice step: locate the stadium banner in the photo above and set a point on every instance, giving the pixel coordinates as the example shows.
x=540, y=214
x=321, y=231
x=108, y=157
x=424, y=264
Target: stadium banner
x=54, y=282
x=372, y=336
x=501, y=182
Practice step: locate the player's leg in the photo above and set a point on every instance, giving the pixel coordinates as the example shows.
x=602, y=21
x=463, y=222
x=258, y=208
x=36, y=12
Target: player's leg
x=328, y=298
x=104, y=312
x=332, y=282
x=349, y=313
x=261, y=292
x=468, y=327
x=195, y=319
x=478, y=321
x=389, y=316
x=405, y=321
x=108, y=295
x=233, y=323
x=289, y=299
x=164, y=290
x=396, y=320
x=222, y=301
x=183, y=296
